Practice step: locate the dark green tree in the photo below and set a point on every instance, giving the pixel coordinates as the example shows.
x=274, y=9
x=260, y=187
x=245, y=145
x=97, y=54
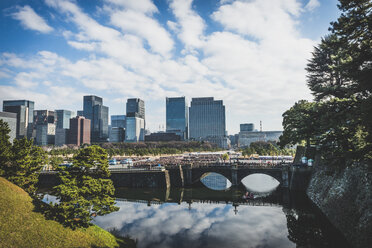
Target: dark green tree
x=25, y=162
x=5, y=145
x=339, y=76
x=86, y=190
x=300, y=123
x=54, y=161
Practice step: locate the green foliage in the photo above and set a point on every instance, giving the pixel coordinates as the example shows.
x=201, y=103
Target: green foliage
x=5, y=145
x=266, y=148
x=54, y=161
x=85, y=190
x=147, y=148
x=26, y=160
x=299, y=123
x=339, y=123
x=225, y=156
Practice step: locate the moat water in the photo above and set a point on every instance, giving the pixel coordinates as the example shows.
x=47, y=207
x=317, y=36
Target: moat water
x=212, y=214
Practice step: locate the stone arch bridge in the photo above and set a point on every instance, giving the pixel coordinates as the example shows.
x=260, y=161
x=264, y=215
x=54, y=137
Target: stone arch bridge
x=189, y=175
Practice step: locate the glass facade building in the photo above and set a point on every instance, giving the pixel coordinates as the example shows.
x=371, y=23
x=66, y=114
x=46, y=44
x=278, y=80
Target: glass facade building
x=136, y=108
x=177, y=116
x=45, y=125
x=135, y=130
x=94, y=110
x=118, y=121
x=100, y=123
x=25, y=115
x=247, y=127
x=63, y=118
x=207, y=118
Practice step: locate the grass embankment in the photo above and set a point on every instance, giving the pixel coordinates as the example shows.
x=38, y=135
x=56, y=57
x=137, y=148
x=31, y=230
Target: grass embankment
x=20, y=226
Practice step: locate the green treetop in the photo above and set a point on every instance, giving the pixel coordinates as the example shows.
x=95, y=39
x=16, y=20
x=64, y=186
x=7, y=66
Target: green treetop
x=85, y=190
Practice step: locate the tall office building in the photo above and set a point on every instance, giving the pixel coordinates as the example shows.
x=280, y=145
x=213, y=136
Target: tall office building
x=45, y=125
x=135, y=120
x=98, y=114
x=177, y=116
x=63, y=118
x=11, y=119
x=207, y=118
x=136, y=108
x=117, y=131
x=100, y=123
x=207, y=121
x=79, y=131
x=25, y=116
x=80, y=113
x=135, y=130
x=118, y=121
x=62, y=126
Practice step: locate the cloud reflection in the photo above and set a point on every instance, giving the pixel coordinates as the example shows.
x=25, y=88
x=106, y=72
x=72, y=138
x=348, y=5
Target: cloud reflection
x=204, y=225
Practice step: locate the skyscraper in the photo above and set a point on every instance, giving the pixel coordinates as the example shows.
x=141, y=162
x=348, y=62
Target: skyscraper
x=98, y=114
x=135, y=130
x=117, y=132
x=207, y=118
x=62, y=126
x=25, y=115
x=45, y=124
x=136, y=108
x=89, y=103
x=63, y=118
x=79, y=131
x=118, y=121
x=177, y=116
x=135, y=120
x=100, y=123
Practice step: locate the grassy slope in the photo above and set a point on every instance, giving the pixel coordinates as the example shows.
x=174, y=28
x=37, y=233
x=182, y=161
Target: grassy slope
x=21, y=227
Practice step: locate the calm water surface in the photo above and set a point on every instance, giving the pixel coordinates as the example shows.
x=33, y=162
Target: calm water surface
x=205, y=217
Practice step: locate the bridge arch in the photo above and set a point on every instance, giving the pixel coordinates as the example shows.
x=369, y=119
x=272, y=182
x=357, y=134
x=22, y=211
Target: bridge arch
x=215, y=181
x=277, y=174
x=259, y=182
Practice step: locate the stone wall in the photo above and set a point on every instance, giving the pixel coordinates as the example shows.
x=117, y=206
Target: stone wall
x=345, y=198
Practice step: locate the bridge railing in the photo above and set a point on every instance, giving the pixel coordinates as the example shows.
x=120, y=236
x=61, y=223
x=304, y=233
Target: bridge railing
x=137, y=169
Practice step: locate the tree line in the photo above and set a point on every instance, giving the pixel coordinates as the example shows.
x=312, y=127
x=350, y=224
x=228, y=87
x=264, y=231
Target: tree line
x=144, y=148
x=270, y=148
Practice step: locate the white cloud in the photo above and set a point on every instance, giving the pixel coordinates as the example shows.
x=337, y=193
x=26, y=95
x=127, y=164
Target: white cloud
x=82, y=45
x=253, y=18
x=145, y=27
x=30, y=20
x=312, y=4
x=191, y=25
x=145, y=6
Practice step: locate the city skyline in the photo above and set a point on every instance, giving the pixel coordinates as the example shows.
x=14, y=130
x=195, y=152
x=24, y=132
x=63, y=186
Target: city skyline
x=55, y=52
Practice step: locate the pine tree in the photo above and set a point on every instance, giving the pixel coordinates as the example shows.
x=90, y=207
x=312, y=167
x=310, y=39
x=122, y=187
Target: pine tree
x=4, y=146
x=26, y=161
x=85, y=191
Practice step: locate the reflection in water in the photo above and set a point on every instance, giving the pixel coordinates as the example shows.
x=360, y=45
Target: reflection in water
x=182, y=218
x=260, y=183
x=216, y=181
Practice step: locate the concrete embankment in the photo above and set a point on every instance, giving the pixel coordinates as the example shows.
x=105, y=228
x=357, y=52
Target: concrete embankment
x=345, y=197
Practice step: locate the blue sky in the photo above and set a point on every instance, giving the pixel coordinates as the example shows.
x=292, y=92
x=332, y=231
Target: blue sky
x=251, y=54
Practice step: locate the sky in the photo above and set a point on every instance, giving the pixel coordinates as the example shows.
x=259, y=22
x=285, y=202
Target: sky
x=251, y=54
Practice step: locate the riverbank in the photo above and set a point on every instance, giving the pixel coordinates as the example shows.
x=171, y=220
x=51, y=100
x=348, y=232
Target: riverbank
x=345, y=197
x=21, y=226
